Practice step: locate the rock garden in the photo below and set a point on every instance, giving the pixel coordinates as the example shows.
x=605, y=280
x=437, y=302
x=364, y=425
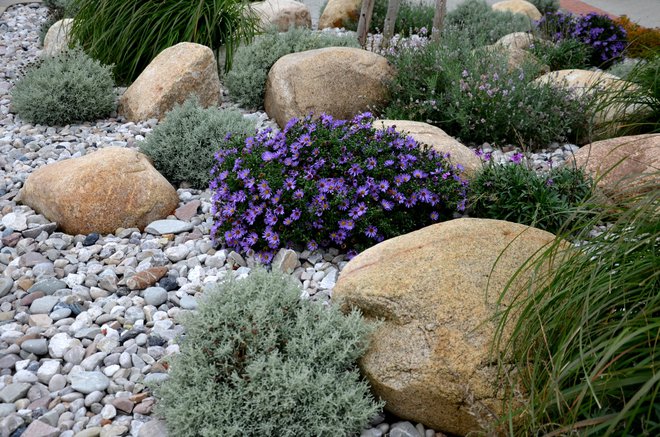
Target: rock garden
x=218, y=221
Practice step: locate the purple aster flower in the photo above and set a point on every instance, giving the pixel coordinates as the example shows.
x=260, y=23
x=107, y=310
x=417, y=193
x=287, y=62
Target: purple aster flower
x=371, y=163
x=362, y=191
x=383, y=185
x=346, y=224
x=295, y=214
x=419, y=174
x=517, y=158
x=312, y=245
x=371, y=231
x=358, y=211
x=424, y=195
x=290, y=184
x=355, y=170
x=270, y=219
x=298, y=194
x=387, y=205
x=435, y=216
x=279, y=210
x=264, y=189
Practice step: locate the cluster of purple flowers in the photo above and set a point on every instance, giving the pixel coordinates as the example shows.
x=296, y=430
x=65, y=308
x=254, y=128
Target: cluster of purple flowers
x=326, y=182
x=606, y=39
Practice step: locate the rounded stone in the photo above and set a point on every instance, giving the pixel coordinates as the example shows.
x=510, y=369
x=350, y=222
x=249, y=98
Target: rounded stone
x=155, y=296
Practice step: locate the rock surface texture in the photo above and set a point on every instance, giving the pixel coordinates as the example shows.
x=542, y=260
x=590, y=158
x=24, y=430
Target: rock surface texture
x=339, y=81
x=435, y=290
x=624, y=166
x=177, y=73
x=438, y=140
x=518, y=7
x=339, y=12
x=283, y=14
x=516, y=40
x=100, y=192
x=57, y=37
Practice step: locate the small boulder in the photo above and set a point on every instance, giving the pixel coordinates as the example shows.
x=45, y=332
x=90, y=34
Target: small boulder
x=100, y=192
x=624, y=166
x=436, y=291
x=283, y=14
x=177, y=73
x=57, y=37
x=438, y=140
x=517, y=58
x=516, y=40
x=338, y=13
x=519, y=7
x=339, y=81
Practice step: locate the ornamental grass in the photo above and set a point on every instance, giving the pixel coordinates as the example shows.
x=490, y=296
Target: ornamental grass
x=584, y=347
x=130, y=33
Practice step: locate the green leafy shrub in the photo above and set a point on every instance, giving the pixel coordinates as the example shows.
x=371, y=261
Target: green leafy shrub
x=545, y=6
x=131, y=33
x=70, y=87
x=475, y=95
x=258, y=360
x=481, y=25
x=584, y=344
x=246, y=81
x=182, y=147
x=564, y=54
x=329, y=182
x=516, y=193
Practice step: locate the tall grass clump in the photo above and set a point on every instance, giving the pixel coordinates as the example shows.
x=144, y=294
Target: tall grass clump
x=258, y=360
x=585, y=341
x=182, y=147
x=636, y=102
x=475, y=95
x=69, y=87
x=246, y=81
x=130, y=33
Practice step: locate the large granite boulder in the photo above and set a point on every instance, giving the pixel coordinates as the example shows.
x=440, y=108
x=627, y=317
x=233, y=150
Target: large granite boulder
x=177, y=73
x=339, y=81
x=338, y=13
x=57, y=37
x=438, y=140
x=518, y=7
x=282, y=14
x=600, y=86
x=624, y=166
x=436, y=290
x=108, y=189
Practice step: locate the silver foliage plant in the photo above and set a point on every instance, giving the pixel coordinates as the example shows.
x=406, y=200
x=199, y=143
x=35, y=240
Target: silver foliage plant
x=258, y=360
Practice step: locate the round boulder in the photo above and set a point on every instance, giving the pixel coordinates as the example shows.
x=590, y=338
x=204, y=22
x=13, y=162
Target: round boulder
x=339, y=81
x=516, y=40
x=100, y=192
x=436, y=138
x=518, y=7
x=436, y=291
x=177, y=73
x=282, y=14
x=338, y=13
x=624, y=166
x=57, y=37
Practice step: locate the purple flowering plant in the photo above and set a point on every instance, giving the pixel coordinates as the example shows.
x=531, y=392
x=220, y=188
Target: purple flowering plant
x=605, y=38
x=326, y=182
